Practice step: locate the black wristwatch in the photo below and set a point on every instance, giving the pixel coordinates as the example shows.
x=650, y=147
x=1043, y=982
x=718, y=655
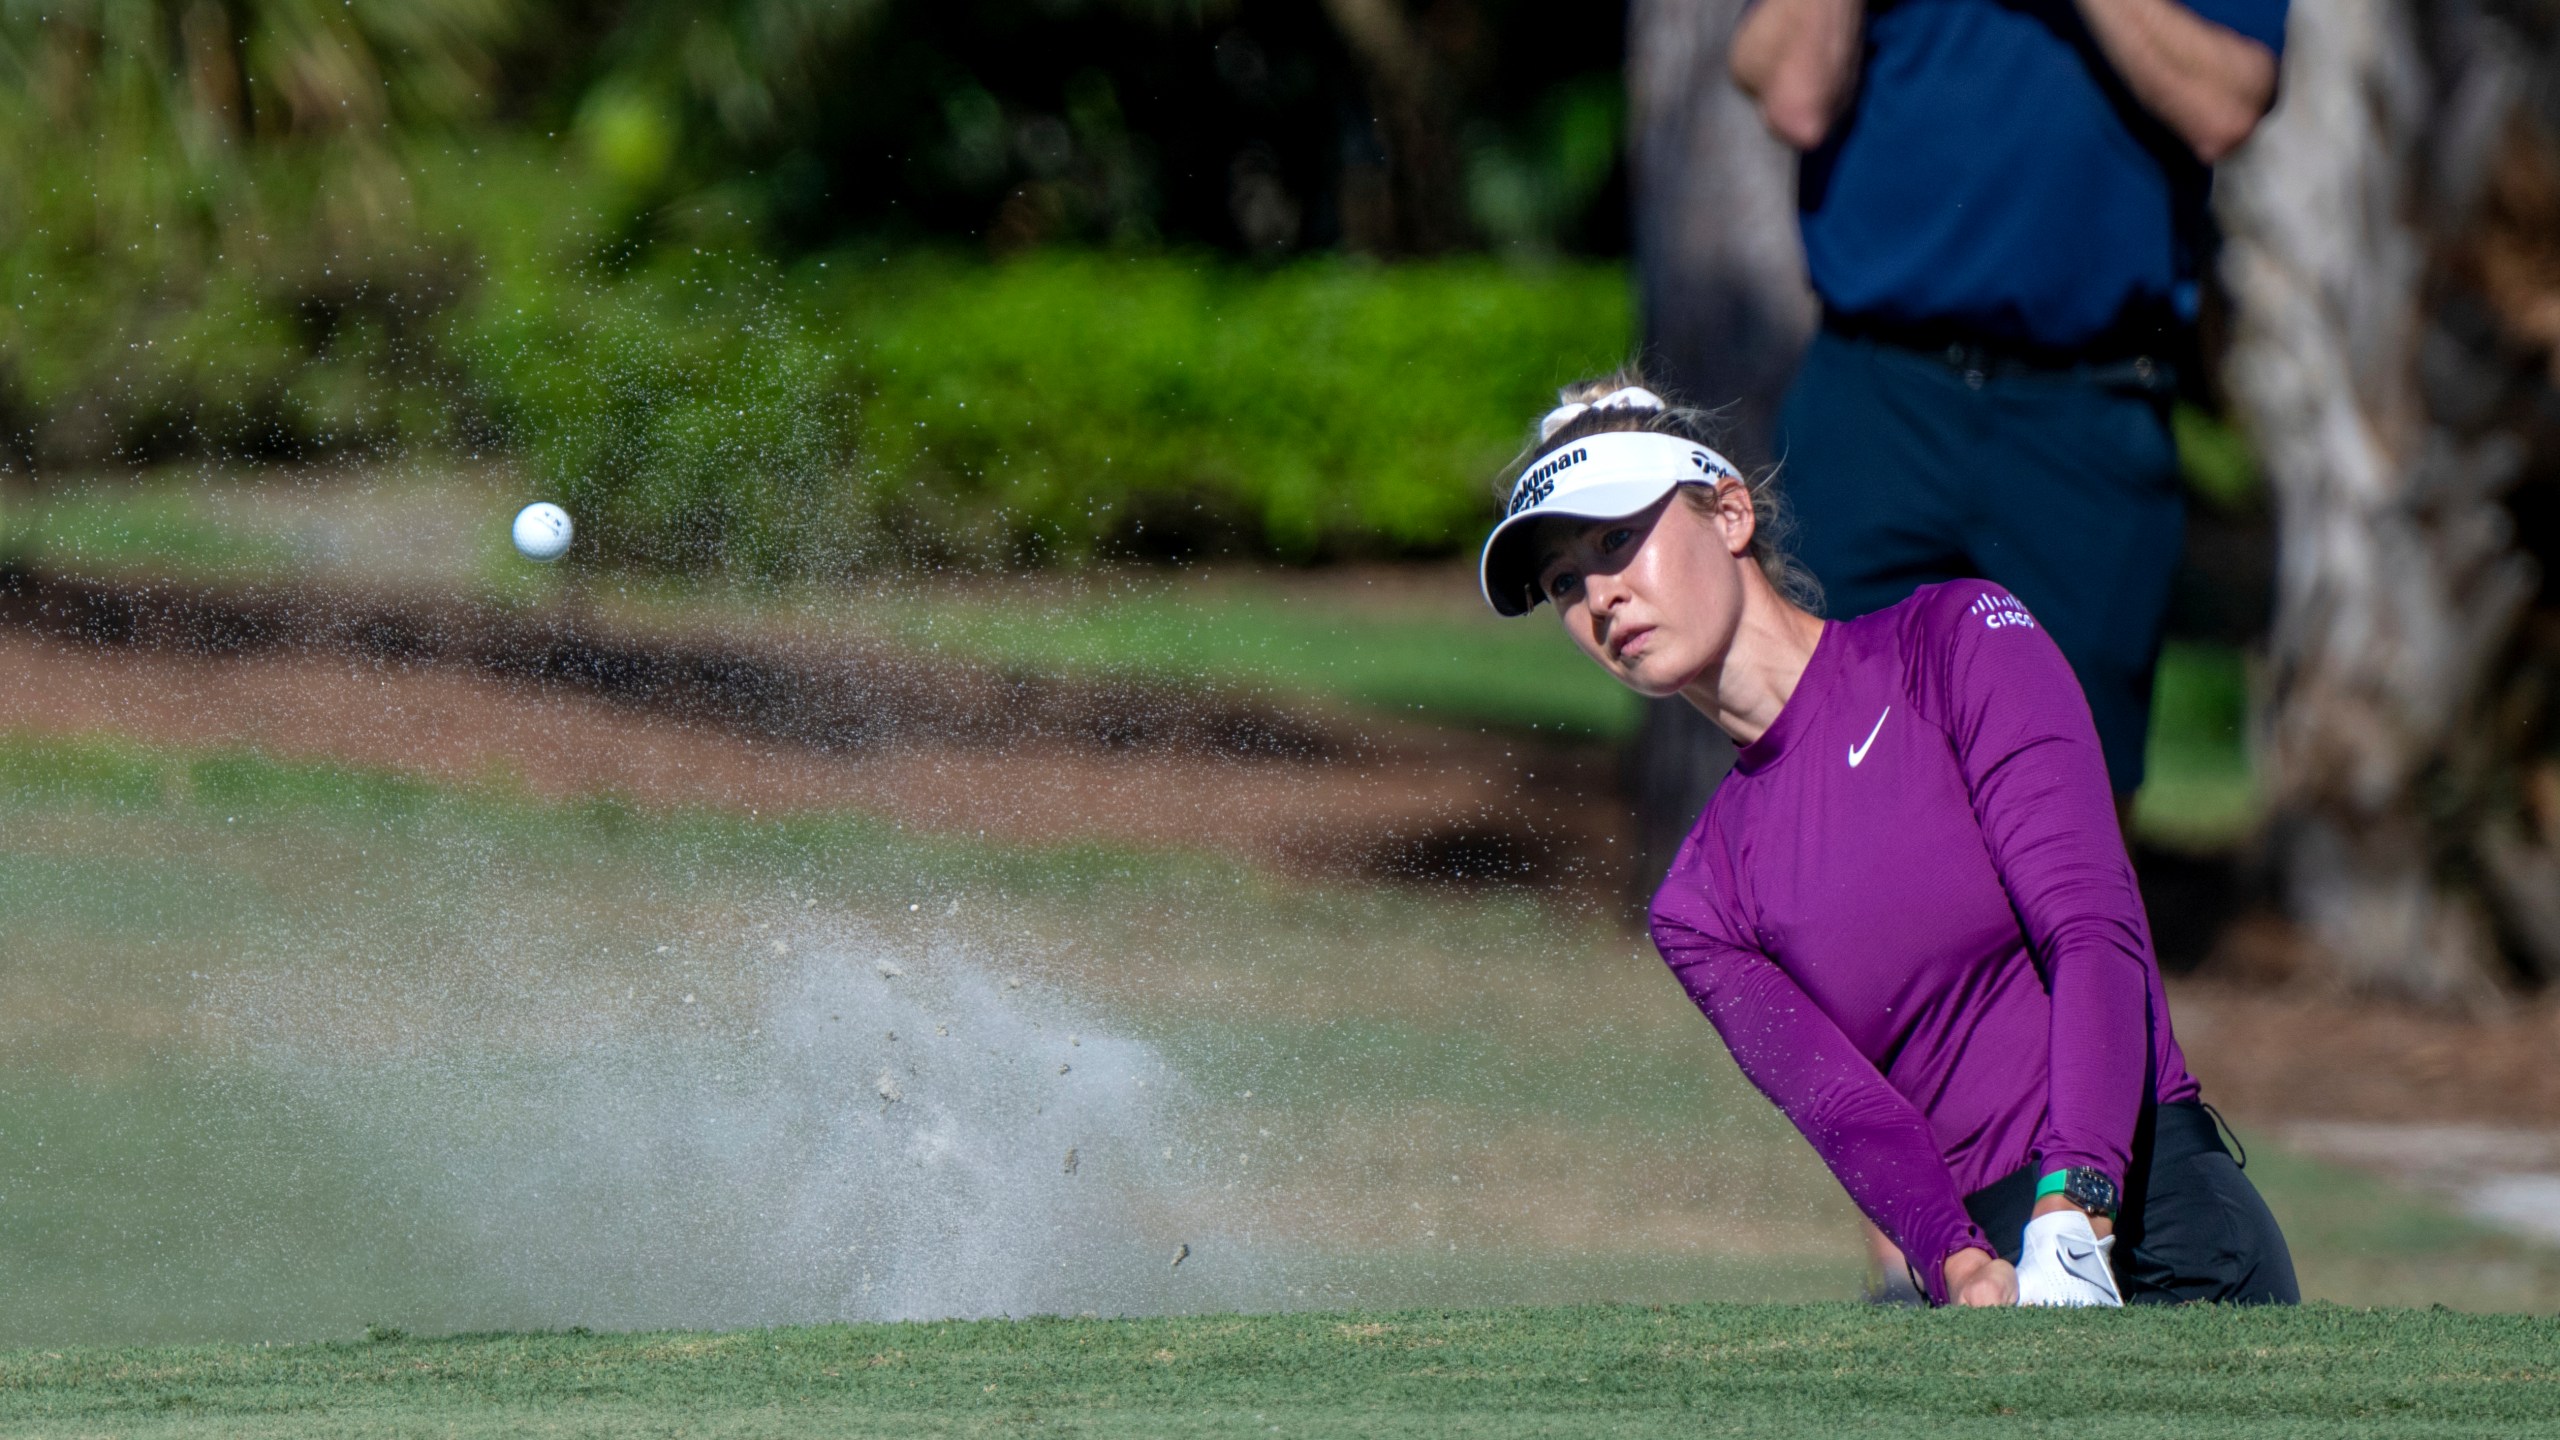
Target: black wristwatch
x=2089, y=1189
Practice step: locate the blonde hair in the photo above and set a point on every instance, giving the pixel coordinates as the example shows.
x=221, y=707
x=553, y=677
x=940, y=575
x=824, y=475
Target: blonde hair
x=1774, y=523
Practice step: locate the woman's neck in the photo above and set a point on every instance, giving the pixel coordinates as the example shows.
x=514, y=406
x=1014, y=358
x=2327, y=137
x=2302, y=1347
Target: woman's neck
x=1773, y=641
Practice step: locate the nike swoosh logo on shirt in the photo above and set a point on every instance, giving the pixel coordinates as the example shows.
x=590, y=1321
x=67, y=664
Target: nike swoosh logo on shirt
x=1858, y=752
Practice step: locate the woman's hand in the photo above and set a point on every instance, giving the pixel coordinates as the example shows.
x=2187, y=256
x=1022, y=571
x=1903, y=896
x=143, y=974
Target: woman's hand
x=2101, y=1226
x=1980, y=1278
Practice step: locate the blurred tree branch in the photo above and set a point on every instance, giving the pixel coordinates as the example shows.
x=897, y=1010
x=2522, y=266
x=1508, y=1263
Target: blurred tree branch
x=1416, y=65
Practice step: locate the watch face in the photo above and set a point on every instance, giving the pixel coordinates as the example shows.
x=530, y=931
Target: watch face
x=2090, y=1191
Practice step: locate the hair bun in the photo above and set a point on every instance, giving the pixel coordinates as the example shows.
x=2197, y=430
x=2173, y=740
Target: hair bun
x=1626, y=397
x=1631, y=397
x=1558, y=418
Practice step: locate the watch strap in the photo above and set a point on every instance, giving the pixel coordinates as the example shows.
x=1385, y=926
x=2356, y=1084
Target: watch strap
x=2092, y=1190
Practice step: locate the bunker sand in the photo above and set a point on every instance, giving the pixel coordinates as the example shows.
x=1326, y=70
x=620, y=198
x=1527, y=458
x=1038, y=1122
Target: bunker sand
x=1425, y=1092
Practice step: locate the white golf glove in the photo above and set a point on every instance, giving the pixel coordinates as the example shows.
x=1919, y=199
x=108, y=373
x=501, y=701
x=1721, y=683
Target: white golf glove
x=2063, y=1262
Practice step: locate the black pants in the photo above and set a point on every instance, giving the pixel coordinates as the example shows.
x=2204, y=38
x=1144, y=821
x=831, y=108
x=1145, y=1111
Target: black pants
x=2192, y=1228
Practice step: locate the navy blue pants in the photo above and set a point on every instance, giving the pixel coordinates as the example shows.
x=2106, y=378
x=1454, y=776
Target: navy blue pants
x=1905, y=469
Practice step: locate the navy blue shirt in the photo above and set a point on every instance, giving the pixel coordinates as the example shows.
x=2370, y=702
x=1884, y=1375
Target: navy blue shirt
x=1994, y=174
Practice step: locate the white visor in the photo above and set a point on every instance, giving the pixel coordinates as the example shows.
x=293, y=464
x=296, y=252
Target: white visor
x=1600, y=477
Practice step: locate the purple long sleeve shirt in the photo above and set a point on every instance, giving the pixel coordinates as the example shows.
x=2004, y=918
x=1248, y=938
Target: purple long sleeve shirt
x=1910, y=915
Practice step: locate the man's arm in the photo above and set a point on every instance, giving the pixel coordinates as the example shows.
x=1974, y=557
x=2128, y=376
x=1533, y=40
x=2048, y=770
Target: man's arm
x=2207, y=83
x=1799, y=60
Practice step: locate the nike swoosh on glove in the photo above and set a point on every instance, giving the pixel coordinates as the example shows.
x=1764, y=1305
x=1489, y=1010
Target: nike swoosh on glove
x=2063, y=1262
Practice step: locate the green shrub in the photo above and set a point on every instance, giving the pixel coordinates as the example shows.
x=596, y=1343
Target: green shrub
x=712, y=413
x=1064, y=404
x=152, y=311
x=702, y=409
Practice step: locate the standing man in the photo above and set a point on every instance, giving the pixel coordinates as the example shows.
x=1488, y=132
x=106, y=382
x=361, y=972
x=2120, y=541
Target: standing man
x=2003, y=209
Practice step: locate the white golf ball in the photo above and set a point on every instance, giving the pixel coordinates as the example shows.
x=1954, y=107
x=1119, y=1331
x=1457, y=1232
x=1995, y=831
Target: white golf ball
x=543, y=531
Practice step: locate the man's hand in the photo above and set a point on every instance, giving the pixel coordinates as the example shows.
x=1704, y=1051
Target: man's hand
x=2208, y=84
x=1981, y=1279
x=1799, y=59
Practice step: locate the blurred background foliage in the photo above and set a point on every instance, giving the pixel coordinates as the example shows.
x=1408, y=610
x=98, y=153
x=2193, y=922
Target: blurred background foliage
x=775, y=286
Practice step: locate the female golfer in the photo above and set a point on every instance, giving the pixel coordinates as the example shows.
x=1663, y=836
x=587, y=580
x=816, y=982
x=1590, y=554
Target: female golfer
x=1908, y=911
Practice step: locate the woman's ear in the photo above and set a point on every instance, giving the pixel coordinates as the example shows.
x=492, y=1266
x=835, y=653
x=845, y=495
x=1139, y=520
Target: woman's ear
x=1736, y=516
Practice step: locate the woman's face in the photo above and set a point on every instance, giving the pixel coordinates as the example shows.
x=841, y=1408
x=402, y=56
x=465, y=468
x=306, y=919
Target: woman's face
x=1655, y=597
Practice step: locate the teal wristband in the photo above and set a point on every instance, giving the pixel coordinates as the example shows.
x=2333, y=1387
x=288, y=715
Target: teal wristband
x=2053, y=1184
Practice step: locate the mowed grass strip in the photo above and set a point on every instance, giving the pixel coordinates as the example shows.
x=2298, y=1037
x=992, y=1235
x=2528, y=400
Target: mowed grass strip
x=1602, y=1370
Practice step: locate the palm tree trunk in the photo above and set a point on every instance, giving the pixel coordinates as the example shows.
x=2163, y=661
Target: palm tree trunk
x=1726, y=315
x=2398, y=584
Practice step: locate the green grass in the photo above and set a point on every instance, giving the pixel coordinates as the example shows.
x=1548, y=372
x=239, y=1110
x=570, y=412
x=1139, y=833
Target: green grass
x=434, y=528
x=292, y=806
x=1416, y=644
x=1617, y=1371
x=1412, y=642
x=162, y=528
x=1407, y=641
x=2358, y=1237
